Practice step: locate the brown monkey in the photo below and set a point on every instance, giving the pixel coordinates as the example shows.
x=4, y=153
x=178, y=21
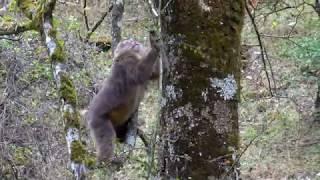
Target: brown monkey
x=111, y=110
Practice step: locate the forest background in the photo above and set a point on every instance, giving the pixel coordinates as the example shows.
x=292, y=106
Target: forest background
x=279, y=111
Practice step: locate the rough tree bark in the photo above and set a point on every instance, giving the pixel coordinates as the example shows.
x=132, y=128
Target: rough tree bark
x=41, y=20
x=199, y=121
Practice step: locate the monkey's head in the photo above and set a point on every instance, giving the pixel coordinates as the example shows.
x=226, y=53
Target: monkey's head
x=131, y=46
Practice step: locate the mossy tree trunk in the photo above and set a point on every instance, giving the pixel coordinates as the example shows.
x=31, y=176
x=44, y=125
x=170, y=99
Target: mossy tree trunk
x=200, y=134
x=41, y=20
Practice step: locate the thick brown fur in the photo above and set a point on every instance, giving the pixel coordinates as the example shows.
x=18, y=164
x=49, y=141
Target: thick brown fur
x=113, y=107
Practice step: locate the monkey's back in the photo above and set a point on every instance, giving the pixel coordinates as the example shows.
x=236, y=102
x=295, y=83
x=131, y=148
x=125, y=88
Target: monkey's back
x=121, y=95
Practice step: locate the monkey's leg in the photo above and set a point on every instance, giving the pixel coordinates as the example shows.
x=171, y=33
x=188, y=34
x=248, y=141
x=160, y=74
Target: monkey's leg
x=132, y=129
x=104, y=134
x=121, y=131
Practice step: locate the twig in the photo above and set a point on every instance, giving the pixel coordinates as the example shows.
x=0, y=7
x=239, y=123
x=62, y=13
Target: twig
x=271, y=69
x=98, y=23
x=85, y=14
x=165, y=7
x=296, y=21
x=246, y=148
x=152, y=9
x=11, y=39
x=261, y=47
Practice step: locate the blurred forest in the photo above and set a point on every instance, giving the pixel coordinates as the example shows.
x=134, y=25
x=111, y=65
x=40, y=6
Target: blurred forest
x=279, y=111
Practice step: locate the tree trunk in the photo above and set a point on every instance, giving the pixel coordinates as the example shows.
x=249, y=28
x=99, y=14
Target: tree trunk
x=42, y=21
x=116, y=15
x=317, y=104
x=200, y=134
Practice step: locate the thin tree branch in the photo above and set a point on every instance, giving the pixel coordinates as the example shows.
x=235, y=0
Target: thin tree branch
x=261, y=47
x=85, y=14
x=98, y=23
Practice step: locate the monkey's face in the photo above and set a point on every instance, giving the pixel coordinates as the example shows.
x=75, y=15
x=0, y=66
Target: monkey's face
x=132, y=46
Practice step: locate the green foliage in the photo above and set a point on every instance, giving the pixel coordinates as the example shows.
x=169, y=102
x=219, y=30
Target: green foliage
x=40, y=71
x=308, y=50
x=56, y=22
x=249, y=134
x=59, y=53
x=78, y=152
x=73, y=24
x=12, y=6
x=67, y=90
x=21, y=155
x=31, y=35
x=5, y=44
x=305, y=50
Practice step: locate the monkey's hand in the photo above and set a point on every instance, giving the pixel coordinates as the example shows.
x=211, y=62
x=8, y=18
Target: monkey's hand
x=154, y=40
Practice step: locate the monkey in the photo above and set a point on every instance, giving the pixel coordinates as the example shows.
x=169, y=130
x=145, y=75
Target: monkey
x=111, y=110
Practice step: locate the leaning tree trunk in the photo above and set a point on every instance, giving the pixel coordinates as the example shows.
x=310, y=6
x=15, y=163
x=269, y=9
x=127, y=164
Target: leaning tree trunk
x=199, y=121
x=40, y=14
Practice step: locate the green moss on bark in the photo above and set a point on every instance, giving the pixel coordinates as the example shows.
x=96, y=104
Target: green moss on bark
x=59, y=54
x=67, y=90
x=78, y=152
x=26, y=6
x=72, y=120
x=80, y=155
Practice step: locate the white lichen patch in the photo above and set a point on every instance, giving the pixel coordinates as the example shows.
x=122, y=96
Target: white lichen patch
x=172, y=92
x=119, y=2
x=204, y=94
x=119, y=24
x=51, y=45
x=59, y=68
x=72, y=135
x=204, y=6
x=67, y=108
x=163, y=102
x=185, y=110
x=227, y=87
x=78, y=169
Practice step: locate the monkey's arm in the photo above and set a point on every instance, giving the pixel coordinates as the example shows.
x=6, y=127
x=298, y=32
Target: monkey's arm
x=146, y=68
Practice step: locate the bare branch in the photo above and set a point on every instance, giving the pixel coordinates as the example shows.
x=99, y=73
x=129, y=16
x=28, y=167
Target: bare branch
x=98, y=23
x=261, y=47
x=85, y=14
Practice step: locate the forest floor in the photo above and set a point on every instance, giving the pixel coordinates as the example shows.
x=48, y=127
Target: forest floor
x=286, y=140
